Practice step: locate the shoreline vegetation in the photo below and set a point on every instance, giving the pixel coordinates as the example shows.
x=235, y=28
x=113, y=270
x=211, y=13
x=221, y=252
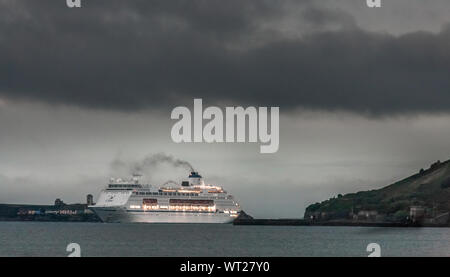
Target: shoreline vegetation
x=422, y=199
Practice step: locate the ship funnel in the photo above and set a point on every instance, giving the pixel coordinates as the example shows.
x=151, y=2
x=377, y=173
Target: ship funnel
x=195, y=179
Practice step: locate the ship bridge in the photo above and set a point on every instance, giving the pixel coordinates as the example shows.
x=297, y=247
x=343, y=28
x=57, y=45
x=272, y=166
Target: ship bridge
x=121, y=184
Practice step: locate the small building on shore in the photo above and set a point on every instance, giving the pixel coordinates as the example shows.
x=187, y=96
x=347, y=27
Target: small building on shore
x=416, y=213
x=367, y=215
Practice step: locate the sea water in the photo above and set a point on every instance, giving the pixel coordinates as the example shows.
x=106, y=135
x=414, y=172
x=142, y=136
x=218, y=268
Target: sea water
x=104, y=239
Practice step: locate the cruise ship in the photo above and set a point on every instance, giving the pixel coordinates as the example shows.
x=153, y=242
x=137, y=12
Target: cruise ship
x=192, y=201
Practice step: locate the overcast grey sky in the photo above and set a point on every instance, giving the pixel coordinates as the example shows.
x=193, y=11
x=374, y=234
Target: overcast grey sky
x=363, y=94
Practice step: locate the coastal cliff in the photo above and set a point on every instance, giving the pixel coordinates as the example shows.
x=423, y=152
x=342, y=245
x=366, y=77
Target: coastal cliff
x=423, y=198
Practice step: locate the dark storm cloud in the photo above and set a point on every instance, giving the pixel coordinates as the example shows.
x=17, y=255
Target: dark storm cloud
x=147, y=54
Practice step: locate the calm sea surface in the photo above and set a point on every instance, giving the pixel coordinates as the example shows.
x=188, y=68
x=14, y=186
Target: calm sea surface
x=101, y=239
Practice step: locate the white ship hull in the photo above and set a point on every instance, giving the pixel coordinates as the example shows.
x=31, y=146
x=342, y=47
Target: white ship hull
x=190, y=202
x=121, y=215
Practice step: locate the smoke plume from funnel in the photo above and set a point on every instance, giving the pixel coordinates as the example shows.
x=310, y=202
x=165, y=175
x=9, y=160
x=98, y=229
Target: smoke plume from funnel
x=157, y=159
x=148, y=165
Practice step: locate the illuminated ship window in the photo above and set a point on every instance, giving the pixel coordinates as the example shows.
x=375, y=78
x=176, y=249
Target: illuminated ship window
x=149, y=201
x=191, y=202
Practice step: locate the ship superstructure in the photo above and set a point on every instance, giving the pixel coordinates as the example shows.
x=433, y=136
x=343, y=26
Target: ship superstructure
x=191, y=201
